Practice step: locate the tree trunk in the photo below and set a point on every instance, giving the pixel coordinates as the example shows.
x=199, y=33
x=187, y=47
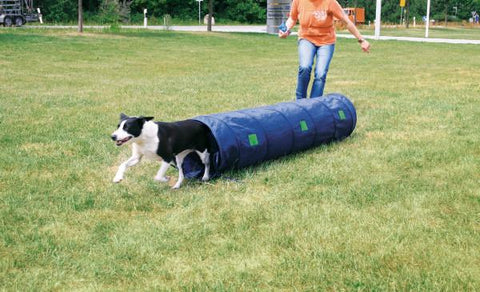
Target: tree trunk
x=406, y=12
x=446, y=14
x=80, y=16
x=210, y=14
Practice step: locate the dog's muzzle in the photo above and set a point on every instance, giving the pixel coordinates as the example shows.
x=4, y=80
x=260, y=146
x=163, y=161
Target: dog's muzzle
x=122, y=141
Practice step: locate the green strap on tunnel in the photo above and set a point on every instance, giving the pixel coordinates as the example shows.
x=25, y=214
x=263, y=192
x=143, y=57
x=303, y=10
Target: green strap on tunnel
x=252, y=138
x=303, y=126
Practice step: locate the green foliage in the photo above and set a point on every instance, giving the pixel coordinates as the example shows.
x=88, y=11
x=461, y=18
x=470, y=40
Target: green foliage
x=248, y=11
x=465, y=7
x=58, y=10
x=158, y=8
x=114, y=11
x=124, y=10
x=109, y=11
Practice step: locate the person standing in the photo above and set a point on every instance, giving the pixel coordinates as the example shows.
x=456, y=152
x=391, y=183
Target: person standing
x=316, y=39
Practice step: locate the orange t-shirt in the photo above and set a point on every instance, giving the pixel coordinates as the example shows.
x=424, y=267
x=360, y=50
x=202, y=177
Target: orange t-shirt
x=316, y=19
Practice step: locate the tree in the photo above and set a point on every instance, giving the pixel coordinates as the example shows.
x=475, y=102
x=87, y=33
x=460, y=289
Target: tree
x=246, y=11
x=441, y=7
x=80, y=16
x=109, y=11
x=210, y=14
x=124, y=10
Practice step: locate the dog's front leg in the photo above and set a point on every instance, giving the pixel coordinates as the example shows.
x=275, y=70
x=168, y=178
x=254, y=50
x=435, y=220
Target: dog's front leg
x=161, y=172
x=123, y=167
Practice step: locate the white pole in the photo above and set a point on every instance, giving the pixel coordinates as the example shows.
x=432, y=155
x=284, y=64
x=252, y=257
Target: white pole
x=378, y=15
x=40, y=16
x=145, y=18
x=428, y=19
x=414, y=22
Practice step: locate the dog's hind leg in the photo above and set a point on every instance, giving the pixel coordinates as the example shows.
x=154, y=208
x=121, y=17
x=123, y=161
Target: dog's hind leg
x=179, y=159
x=123, y=167
x=205, y=157
x=161, y=172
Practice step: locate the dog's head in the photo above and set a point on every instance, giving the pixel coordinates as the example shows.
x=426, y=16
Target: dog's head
x=129, y=128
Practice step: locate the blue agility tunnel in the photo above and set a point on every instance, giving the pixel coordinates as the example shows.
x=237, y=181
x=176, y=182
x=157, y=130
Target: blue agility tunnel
x=250, y=136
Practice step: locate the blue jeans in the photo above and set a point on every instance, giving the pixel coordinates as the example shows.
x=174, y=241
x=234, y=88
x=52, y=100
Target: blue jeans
x=306, y=55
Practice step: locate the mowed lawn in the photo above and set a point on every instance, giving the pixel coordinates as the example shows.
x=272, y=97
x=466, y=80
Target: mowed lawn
x=396, y=206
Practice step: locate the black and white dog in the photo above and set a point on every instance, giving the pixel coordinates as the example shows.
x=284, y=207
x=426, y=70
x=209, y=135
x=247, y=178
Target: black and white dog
x=170, y=142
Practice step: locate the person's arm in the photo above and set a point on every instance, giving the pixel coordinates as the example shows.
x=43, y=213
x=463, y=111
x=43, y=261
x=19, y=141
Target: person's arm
x=354, y=31
x=291, y=21
x=338, y=12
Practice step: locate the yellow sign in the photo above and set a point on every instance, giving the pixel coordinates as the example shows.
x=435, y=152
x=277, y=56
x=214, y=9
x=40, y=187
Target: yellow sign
x=402, y=3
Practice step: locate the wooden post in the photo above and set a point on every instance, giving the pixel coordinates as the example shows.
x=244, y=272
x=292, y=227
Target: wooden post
x=210, y=14
x=80, y=16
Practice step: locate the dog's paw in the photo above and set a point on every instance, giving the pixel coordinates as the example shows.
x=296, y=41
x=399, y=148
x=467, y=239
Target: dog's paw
x=162, y=179
x=177, y=185
x=205, y=178
x=117, y=179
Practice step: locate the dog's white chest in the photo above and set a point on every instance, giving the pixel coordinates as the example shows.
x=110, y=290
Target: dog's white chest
x=148, y=146
x=149, y=150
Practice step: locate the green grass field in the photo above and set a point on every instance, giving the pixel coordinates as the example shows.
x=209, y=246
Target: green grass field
x=396, y=206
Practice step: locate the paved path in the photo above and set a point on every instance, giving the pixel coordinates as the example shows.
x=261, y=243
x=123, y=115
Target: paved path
x=263, y=29
x=412, y=39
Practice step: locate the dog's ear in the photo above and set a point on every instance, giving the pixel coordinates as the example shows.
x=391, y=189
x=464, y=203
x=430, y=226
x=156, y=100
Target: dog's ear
x=145, y=118
x=123, y=117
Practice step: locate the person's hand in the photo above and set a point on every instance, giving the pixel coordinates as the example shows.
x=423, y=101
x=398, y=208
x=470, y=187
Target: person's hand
x=283, y=34
x=365, y=46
